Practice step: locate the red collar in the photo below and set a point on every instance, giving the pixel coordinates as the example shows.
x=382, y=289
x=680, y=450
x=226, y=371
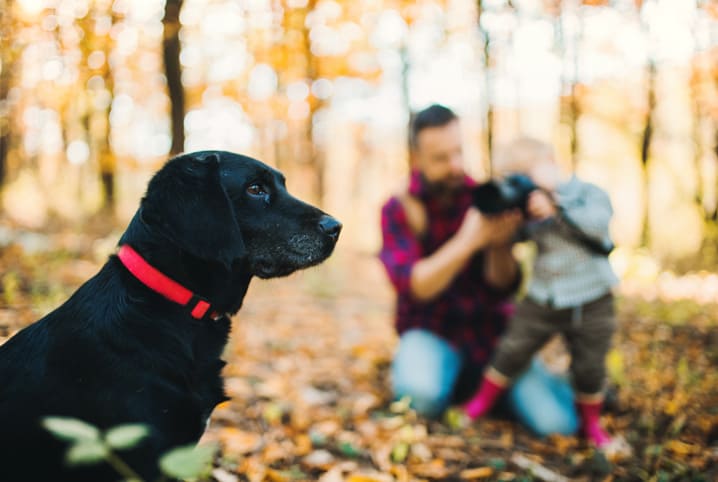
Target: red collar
x=149, y=276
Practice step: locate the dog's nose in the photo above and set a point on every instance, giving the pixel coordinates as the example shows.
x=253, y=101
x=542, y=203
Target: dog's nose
x=330, y=226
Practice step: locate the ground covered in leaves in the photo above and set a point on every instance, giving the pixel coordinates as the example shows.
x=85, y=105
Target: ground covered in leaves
x=308, y=379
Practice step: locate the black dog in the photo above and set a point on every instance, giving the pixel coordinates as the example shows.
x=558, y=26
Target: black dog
x=141, y=341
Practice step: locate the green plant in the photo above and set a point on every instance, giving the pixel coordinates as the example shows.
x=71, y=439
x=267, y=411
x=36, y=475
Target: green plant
x=187, y=462
x=89, y=445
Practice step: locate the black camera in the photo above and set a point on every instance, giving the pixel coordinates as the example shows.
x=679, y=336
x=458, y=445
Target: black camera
x=512, y=192
x=499, y=195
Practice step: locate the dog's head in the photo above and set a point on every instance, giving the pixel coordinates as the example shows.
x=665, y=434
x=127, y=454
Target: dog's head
x=224, y=207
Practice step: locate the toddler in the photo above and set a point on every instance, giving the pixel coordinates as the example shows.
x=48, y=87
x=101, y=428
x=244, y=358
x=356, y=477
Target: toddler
x=570, y=290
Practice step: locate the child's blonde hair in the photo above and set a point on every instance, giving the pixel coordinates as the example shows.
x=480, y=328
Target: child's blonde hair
x=520, y=155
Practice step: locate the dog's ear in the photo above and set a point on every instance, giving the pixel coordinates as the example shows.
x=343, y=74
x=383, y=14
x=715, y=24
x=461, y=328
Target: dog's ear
x=187, y=204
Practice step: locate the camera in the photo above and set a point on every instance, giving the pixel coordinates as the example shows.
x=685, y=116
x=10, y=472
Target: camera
x=499, y=195
x=512, y=192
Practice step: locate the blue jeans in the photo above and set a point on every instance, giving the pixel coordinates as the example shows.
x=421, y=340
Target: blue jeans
x=426, y=368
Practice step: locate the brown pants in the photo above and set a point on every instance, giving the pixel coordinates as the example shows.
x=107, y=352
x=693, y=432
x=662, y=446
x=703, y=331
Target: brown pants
x=587, y=330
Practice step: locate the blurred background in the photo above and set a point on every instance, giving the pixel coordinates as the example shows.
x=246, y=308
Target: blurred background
x=95, y=95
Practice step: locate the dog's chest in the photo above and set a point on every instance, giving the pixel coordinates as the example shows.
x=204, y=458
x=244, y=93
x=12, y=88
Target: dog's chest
x=208, y=386
x=206, y=381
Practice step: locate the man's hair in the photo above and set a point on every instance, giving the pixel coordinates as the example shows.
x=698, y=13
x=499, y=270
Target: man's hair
x=433, y=116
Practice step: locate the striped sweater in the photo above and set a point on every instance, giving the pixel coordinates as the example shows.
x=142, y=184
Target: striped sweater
x=567, y=272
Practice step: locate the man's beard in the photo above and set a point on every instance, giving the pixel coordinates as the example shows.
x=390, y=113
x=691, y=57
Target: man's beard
x=447, y=187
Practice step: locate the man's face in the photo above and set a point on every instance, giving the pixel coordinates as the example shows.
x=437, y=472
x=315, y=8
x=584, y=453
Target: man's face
x=438, y=156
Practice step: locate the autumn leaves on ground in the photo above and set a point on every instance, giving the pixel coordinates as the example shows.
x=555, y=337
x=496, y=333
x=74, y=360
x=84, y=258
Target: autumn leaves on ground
x=308, y=380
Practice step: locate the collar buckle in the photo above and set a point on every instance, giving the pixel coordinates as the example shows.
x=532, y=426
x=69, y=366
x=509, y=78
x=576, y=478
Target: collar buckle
x=199, y=307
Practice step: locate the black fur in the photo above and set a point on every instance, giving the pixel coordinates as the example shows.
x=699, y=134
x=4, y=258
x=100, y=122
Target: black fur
x=117, y=352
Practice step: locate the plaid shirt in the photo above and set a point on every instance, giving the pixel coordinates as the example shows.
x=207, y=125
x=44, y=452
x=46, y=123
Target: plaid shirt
x=470, y=314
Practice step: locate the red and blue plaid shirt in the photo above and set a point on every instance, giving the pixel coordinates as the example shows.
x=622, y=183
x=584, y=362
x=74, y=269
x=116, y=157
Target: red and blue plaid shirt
x=470, y=314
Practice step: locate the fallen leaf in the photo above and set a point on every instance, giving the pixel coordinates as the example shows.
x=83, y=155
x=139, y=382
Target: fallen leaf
x=381, y=455
x=401, y=473
x=278, y=476
x=336, y=473
x=223, y=476
x=238, y=442
x=253, y=469
x=421, y=452
x=400, y=452
x=348, y=449
x=313, y=396
x=537, y=470
x=477, y=473
x=275, y=451
x=563, y=444
x=435, y=469
x=682, y=448
x=369, y=478
x=319, y=459
x=273, y=413
x=364, y=403
x=326, y=428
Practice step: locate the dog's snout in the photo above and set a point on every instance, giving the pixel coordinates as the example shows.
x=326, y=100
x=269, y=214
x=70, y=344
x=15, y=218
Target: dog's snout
x=330, y=226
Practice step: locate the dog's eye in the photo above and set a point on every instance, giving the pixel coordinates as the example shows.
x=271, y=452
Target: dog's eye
x=256, y=190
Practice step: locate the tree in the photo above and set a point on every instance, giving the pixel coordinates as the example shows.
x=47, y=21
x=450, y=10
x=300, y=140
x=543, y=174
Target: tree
x=704, y=104
x=307, y=57
x=574, y=109
x=97, y=79
x=646, y=139
x=486, y=39
x=173, y=72
x=313, y=159
x=107, y=160
x=6, y=71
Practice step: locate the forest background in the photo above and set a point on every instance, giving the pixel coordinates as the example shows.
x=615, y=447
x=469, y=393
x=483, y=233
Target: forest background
x=95, y=95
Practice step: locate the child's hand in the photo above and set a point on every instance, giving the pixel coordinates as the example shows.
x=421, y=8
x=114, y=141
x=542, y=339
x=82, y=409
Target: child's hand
x=540, y=205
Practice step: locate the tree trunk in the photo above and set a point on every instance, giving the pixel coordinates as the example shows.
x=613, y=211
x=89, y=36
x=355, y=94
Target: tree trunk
x=95, y=118
x=648, y=127
x=7, y=66
x=702, y=122
x=696, y=84
x=108, y=164
x=173, y=71
x=517, y=80
x=713, y=39
x=404, y=54
x=573, y=107
x=313, y=160
x=646, y=139
x=569, y=42
x=487, y=89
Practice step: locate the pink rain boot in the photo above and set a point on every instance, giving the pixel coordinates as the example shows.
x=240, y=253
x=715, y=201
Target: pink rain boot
x=484, y=399
x=590, y=413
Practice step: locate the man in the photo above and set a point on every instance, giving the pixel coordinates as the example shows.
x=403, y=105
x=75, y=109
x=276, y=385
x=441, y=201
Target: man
x=454, y=274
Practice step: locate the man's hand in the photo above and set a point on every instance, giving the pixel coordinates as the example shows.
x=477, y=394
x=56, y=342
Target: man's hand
x=479, y=231
x=472, y=232
x=540, y=206
x=431, y=275
x=500, y=268
x=502, y=227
